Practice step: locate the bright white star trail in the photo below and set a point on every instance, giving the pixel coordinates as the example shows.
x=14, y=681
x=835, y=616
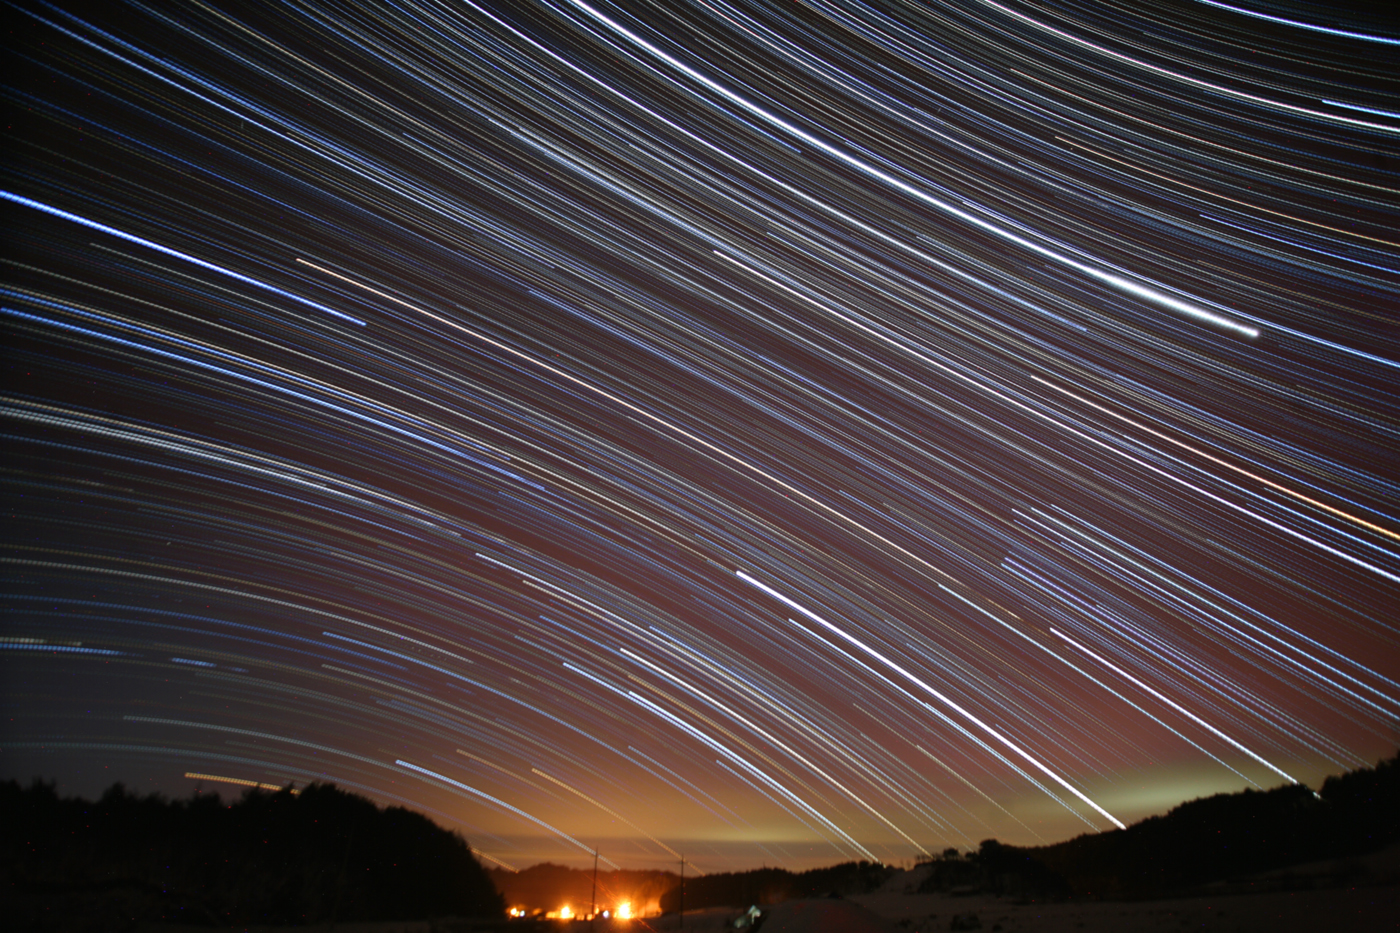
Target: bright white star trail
x=749, y=431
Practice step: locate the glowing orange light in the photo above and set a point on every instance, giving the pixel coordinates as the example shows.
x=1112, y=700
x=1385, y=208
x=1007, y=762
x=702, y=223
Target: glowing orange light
x=565, y=912
x=624, y=910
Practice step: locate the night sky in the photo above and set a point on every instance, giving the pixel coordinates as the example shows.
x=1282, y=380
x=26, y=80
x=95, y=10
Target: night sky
x=766, y=432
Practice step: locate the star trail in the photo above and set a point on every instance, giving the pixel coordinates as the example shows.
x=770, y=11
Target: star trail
x=759, y=432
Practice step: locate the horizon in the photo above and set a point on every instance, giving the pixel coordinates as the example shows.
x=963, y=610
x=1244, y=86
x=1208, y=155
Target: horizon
x=728, y=855
x=756, y=432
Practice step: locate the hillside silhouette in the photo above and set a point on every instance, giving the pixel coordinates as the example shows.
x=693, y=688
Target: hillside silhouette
x=772, y=885
x=548, y=886
x=268, y=858
x=1209, y=840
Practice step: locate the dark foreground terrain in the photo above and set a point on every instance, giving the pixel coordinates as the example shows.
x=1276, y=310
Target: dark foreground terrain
x=1278, y=860
x=285, y=858
x=1343, y=895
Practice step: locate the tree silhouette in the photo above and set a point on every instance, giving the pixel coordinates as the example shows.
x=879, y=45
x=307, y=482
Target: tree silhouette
x=284, y=857
x=1206, y=840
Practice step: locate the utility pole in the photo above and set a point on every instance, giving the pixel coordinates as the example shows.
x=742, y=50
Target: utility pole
x=682, y=892
x=593, y=910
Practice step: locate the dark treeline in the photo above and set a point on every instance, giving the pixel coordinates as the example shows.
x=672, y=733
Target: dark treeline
x=269, y=858
x=772, y=885
x=1212, y=839
x=548, y=887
